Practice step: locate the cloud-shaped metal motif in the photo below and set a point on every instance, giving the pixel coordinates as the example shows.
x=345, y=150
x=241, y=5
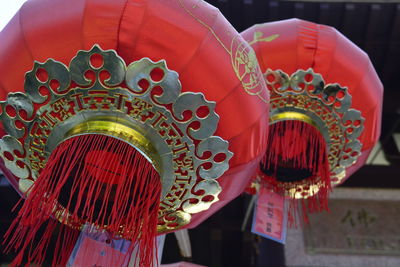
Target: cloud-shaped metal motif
x=145, y=96
x=327, y=107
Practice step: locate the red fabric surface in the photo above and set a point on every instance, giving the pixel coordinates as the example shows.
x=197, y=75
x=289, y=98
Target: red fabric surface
x=302, y=45
x=193, y=37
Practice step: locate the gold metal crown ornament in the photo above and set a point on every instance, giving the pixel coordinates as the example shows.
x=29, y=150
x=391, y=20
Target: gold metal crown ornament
x=304, y=96
x=141, y=104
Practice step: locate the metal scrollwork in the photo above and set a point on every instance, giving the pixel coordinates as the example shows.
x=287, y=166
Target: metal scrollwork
x=51, y=75
x=175, y=129
x=13, y=121
x=194, y=102
x=13, y=153
x=144, y=76
x=217, y=160
x=107, y=61
x=328, y=106
x=211, y=188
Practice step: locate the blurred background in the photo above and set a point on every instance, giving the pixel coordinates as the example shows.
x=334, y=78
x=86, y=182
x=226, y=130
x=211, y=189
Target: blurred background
x=362, y=227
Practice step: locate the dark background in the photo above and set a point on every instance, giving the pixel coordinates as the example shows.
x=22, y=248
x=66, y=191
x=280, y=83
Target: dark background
x=375, y=27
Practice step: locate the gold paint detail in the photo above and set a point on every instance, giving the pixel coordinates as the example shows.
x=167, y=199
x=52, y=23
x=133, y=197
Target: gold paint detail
x=243, y=57
x=259, y=37
x=304, y=96
x=199, y=5
x=247, y=69
x=141, y=104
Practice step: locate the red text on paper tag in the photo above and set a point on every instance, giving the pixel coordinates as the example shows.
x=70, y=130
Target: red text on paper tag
x=270, y=217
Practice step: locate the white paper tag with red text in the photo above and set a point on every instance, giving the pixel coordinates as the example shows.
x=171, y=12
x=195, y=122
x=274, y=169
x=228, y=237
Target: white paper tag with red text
x=270, y=216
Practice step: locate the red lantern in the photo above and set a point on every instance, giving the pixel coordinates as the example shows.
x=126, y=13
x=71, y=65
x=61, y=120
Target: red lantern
x=129, y=120
x=325, y=110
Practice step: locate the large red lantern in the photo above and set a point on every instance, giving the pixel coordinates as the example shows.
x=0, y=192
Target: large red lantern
x=125, y=115
x=325, y=109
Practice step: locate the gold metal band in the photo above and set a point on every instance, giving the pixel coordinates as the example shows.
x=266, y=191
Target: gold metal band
x=118, y=130
x=290, y=115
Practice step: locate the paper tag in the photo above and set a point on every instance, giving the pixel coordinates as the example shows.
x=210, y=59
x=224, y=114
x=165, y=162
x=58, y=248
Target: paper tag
x=95, y=249
x=270, y=216
x=135, y=259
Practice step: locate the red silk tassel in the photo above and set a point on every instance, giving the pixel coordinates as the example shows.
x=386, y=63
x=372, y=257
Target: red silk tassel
x=89, y=179
x=297, y=155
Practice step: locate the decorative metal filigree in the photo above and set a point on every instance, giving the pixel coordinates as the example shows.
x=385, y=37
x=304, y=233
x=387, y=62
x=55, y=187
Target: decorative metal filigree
x=145, y=96
x=305, y=96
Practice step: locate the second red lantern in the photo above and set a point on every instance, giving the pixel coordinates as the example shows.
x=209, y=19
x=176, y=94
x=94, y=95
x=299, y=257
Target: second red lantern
x=325, y=108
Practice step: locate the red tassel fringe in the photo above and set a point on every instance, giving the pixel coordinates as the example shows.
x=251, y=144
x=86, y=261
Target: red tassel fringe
x=297, y=155
x=97, y=179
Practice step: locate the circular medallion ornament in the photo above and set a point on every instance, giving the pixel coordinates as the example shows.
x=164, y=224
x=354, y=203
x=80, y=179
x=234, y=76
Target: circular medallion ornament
x=141, y=104
x=244, y=62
